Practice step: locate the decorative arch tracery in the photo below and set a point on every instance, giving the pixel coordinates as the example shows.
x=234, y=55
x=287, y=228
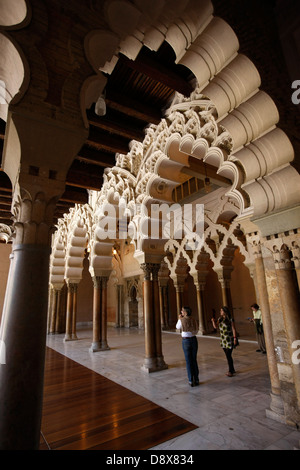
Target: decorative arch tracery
x=227, y=123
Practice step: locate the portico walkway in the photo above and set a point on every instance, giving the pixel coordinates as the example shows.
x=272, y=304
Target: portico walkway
x=229, y=412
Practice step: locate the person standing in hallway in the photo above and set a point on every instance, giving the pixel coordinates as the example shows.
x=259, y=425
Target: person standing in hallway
x=228, y=335
x=257, y=319
x=189, y=328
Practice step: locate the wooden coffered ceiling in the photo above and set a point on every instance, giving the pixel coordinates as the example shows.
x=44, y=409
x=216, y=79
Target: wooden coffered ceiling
x=136, y=94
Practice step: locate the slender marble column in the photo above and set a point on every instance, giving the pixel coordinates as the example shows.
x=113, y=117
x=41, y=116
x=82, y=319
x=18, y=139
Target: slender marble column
x=289, y=295
x=58, y=313
x=53, y=310
x=69, y=317
x=276, y=410
x=24, y=327
x=199, y=291
x=160, y=363
x=74, y=312
x=179, y=299
x=150, y=359
x=96, y=314
x=296, y=259
x=224, y=289
x=37, y=156
x=161, y=307
x=103, y=337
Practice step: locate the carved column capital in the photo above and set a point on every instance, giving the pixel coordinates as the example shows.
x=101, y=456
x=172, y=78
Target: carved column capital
x=96, y=282
x=155, y=269
x=33, y=212
x=146, y=267
x=104, y=280
x=72, y=287
x=282, y=258
x=296, y=254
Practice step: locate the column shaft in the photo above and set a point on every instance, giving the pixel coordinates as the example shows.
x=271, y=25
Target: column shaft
x=58, y=313
x=276, y=405
x=53, y=311
x=23, y=331
x=69, y=317
x=96, y=315
x=289, y=296
x=103, y=337
x=74, y=312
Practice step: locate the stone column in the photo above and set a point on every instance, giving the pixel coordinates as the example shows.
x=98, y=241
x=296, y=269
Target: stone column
x=103, y=337
x=179, y=295
x=58, y=313
x=71, y=300
x=161, y=307
x=289, y=295
x=153, y=348
x=99, y=315
x=150, y=359
x=96, y=315
x=296, y=259
x=222, y=281
x=53, y=309
x=200, y=302
x=119, y=288
x=24, y=323
x=41, y=141
x=160, y=363
x=276, y=410
x=74, y=312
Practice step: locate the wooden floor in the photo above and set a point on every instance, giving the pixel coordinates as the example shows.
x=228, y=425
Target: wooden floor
x=83, y=410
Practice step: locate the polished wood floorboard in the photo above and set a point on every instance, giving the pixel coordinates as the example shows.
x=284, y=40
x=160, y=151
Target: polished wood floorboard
x=83, y=410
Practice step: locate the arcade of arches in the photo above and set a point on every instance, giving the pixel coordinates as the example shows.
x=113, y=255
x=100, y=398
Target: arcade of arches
x=220, y=148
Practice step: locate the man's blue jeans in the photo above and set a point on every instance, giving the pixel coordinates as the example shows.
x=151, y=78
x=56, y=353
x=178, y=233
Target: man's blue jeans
x=190, y=349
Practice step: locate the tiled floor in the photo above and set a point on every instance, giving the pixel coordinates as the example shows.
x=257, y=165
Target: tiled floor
x=229, y=412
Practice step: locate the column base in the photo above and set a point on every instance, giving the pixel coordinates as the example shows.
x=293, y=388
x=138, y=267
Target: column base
x=276, y=410
x=154, y=365
x=70, y=338
x=99, y=346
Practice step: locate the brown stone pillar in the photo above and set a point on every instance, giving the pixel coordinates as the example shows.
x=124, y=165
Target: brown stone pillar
x=160, y=363
x=58, y=313
x=23, y=332
x=161, y=307
x=296, y=259
x=289, y=296
x=163, y=300
x=200, y=302
x=103, y=337
x=119, y=309
x=96, y=314
x=53, y=310
x=38, y=153
x=74, y=312
x=276, y=410
x=222, y=281
x=153, y=346
x=69, y=316
x=150, y=359
x=179, y=297
x=99, y=315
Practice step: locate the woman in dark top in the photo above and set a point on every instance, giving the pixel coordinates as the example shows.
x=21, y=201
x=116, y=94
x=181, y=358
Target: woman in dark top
x=228, y=336
x=189, y=328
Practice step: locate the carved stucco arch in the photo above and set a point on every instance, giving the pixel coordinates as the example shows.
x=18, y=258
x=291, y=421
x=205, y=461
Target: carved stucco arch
x=6, y=233
x=212, y=231
x=227, y=122
x=14, y=73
